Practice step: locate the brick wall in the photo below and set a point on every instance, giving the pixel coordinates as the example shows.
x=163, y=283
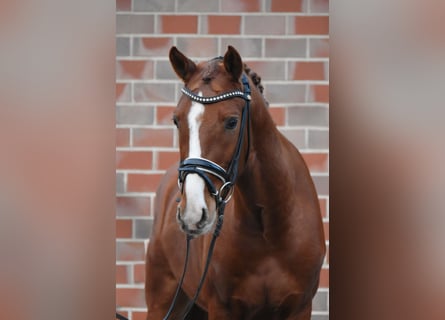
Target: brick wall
x=285, y=41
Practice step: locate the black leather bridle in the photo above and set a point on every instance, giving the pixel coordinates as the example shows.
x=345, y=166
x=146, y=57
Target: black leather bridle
x=204, y=168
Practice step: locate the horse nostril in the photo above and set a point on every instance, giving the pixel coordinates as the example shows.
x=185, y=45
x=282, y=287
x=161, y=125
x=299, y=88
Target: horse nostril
x=178, y=214
x=204, y=217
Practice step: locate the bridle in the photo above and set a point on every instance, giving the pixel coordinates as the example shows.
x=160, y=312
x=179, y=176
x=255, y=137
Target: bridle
x=204, y=167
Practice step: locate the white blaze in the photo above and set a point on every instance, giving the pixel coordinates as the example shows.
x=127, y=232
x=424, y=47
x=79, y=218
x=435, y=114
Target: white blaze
x=194, y=185
x=194, y=120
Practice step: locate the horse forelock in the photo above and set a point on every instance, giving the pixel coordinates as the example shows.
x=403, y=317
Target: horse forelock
x=211, y=69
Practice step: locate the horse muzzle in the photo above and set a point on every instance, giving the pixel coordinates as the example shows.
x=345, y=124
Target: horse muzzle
x=195, y=223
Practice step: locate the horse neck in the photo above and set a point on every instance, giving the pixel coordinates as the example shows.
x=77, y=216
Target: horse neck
x=265, y=178
x=270, y=150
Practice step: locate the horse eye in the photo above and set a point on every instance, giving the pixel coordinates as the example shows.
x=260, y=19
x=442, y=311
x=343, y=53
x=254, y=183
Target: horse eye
x=231, y=123
x=175, y=121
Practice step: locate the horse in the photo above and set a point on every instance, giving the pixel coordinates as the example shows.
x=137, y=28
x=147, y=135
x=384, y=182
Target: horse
x=267, y=260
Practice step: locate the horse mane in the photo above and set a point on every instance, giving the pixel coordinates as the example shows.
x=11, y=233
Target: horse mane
x=256, y=79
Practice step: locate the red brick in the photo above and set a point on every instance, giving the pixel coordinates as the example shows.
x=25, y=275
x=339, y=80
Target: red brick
x=164, y=115
x=312, y=25
x=123, y=92
x=285, y=6
x=307, y=71
x=143, y=182
x=223, y=24
x=278, y=115
x=124, y=228
x=155, y=46
x=241, y=5
x=139, y=273
x=326, y=230
x=135, y=69
x=138, y=315
x=133, y=206
x=130, y=297
x=323, y=208
x=166, y=159
x=156, y=42
x=134, y=160
x=327, y=255
x=130, y=251
x=320, y=93
x=123, y=5
x=121, y=274
x=316, y=162
x=324, y=278
x=179, y=24
x=153, y=137
x=122, y=137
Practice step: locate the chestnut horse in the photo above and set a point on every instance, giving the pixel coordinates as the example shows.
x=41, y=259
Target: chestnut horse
x=267, y=260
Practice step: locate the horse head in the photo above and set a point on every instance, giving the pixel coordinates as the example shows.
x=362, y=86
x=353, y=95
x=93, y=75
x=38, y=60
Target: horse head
x=211, y=121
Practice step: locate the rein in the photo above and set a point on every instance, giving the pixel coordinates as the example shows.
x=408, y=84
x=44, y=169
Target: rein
x=203, y=167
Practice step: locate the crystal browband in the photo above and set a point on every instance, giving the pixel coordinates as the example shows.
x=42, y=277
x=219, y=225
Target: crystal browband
x=217, y=98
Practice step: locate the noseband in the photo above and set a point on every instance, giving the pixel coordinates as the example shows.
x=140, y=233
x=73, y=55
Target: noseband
x=204, y=167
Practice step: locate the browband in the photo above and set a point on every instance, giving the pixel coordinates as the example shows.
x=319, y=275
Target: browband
x=217, y=98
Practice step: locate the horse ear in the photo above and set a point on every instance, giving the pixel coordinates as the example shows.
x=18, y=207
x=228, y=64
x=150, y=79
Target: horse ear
x=183, y=66
x=233, y=63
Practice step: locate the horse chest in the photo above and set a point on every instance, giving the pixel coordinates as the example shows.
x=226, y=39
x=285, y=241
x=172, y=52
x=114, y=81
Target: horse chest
x=267, y=283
